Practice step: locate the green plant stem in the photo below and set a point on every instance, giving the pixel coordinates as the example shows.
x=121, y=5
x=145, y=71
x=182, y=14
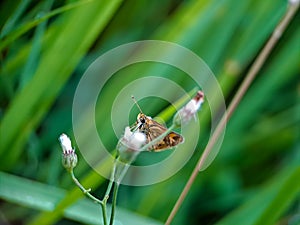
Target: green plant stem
x=103, y=208
x=117, y=177
x=123, y=172
x=111, y=181
x=88, y=194
x=116, y=180
x=278, y=31
x=114, y=203
x=85, y=191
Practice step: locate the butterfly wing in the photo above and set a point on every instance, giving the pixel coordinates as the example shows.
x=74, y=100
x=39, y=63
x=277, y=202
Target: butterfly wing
x=155, y=129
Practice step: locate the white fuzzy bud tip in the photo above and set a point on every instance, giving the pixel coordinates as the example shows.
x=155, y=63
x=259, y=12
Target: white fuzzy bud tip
x=65, y=143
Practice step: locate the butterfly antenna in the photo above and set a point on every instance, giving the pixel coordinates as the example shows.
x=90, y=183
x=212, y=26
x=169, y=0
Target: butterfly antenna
x=135, y=101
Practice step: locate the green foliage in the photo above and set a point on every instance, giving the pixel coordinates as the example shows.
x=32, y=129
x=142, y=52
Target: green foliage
x=47, y=45
x=44, y=197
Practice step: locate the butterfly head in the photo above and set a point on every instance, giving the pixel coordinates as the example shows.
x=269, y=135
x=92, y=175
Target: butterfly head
x=141, y=118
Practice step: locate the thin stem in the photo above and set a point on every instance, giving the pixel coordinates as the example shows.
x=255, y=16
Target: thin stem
x=88, y=194
x=106, y=196
x=280, y=28
x=122, y=174
x=85, y=191
x=118, y=176
x=114, y=204
x=103, y=208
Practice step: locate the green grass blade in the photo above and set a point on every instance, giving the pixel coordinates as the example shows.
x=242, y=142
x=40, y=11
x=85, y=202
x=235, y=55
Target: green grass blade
x=56, y=65
x=266, y=206
x=43, y=197
x=264, y=91
x=10, y=23
x=33, y=58
x=28, y=26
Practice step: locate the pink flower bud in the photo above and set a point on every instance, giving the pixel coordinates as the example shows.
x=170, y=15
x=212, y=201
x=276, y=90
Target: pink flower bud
x=189, y=111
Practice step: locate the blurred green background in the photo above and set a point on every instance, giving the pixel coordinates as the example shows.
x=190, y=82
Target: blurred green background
x=47, y=45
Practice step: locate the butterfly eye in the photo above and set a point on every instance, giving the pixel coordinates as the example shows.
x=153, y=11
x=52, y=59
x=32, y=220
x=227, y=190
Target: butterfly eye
x=142, y=120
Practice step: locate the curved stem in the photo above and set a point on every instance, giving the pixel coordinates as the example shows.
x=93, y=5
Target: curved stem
x=85, y=191
x=89, y=195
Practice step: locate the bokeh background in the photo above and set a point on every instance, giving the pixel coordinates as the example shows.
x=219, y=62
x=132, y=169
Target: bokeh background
x=47, y=45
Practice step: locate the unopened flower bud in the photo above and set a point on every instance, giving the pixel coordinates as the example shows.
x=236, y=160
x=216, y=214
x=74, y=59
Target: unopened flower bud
x=69, y=157
x=130, y=144
x=189, y=111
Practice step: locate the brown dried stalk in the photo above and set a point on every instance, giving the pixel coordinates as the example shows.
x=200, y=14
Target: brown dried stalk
x=278, y=31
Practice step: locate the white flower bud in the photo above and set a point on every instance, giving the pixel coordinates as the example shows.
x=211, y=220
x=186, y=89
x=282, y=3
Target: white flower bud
x=69, y=157
x=130, y=144
x=65, y=143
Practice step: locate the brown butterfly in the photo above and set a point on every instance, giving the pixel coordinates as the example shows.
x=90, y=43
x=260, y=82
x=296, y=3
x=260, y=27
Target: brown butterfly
x=153, y=129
